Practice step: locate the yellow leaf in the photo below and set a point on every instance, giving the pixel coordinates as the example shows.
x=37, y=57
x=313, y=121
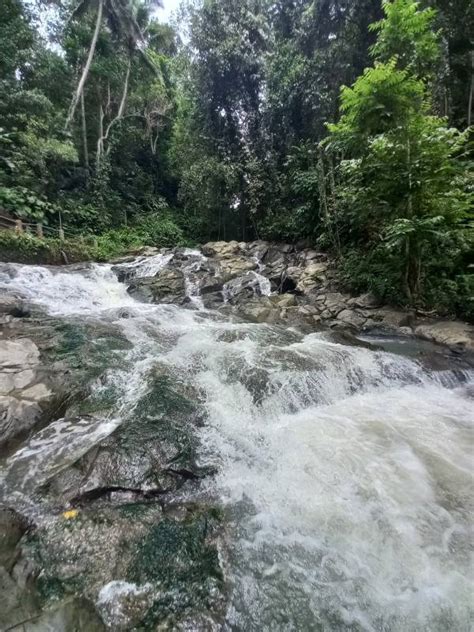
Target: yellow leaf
x=72, y=513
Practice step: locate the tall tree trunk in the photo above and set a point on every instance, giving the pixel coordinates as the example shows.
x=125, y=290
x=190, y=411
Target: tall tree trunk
x=85, y=148
x=101, y=132
x=105, y=135
x=471, y=92
x=85, y=72
x=121, y=109
x=409, y=281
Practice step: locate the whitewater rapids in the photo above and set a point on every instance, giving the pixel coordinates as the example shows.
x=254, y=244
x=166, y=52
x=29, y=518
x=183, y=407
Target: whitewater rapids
x=345, y=472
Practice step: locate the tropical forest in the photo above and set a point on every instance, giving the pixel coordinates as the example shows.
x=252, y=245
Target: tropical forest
x=236, y=315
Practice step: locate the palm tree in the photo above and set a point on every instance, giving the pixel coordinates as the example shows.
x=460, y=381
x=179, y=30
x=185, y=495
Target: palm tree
x=121, y=16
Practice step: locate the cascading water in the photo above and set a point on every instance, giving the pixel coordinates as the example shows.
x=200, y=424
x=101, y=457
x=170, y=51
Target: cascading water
x=345, y=471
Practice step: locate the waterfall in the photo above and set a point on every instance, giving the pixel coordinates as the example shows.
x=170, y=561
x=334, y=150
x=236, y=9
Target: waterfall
x=345, y=472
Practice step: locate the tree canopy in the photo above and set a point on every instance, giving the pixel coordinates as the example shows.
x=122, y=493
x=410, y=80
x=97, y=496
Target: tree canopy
x=342, y=123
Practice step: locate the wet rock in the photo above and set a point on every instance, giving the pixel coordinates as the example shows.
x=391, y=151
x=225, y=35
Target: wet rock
x=240, y=289
x=16, y=417
x=335, y=302
x=10, y=600
x=310, y=310
x=457, y=335
x=283, y=300
x=213, y=300
x=258, y=249
x=350, y=318
x=74, y=615
x=22, y=397
x=259, y=311
x=220, y=248
x=18, y=354
x=168, y=286
x=12, y=528
x=122, y=604
x=12, y=306
x=275, y=260
x=312, y=277
x=391, y=318
x=246, y=287
x=292, y=274
x=364, y=301
x=236, y=266
x=140, y=567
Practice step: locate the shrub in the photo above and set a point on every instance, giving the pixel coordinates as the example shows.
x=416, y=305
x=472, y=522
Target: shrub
x=26, y=248
x=159, y=231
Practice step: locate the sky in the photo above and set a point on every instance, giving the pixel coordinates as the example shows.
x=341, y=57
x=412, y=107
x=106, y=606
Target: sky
x=164, y=14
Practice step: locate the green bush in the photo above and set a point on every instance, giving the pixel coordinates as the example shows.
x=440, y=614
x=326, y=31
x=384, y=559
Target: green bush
x=115, y=243
x=26, y=248
x=362, y=271
x=159, y=231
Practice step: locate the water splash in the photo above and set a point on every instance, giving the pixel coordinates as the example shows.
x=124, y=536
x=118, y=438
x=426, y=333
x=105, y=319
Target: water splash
x=89, y=290
x=146, y=266
x=346, y=472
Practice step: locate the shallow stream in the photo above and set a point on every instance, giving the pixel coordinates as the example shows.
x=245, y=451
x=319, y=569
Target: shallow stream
x=344, y=472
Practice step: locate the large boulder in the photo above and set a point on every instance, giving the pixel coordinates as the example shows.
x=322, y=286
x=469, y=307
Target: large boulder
x=234, y=266
x=351, y=319
x=391, y=318
x=23, y=396
x=312, y=277
x=12, y=528
x=220, y=248
x=455, y=334
x=364, y=301
x=168, y=286
x=259, y=311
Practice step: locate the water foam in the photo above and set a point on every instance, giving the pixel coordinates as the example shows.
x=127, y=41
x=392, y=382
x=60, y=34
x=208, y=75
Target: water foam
x=346, y=472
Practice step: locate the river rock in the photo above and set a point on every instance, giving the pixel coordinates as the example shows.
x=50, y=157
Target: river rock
x=220, y=248
x=17, y=416
x=259, y=311
x=391, y=318
x=283, y=300
x=236, y=266
x=121, y=604
x=168, y=286
x=12, y=306
x=455, y=334
x=335, y=303
x=12, y=528
x=241, y=288
x=312, y=277
x=258, y=248
x=22, y=396
x=364, y=301
x=18, y=354
x=350, y=318
x=78, y=615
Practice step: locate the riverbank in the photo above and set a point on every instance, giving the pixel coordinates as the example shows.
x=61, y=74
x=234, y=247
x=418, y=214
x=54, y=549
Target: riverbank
x=280, y=283
x=301, y=288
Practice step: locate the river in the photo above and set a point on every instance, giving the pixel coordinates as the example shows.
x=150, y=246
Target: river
x=344, y=472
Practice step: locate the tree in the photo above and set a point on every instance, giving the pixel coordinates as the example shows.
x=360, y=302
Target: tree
x=121, y=16
x=405, y=33
x=403, y=187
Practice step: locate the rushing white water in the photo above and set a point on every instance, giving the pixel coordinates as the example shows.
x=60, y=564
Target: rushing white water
x=146, y=266
x=346, y=472
x=89, y=291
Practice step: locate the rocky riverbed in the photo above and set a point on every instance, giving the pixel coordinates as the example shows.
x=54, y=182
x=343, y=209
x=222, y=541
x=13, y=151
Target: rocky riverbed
x=172, y=452
x=280, y=283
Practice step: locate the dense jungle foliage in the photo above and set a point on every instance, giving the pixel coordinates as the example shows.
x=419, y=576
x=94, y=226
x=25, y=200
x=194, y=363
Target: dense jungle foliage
x=344, y=123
